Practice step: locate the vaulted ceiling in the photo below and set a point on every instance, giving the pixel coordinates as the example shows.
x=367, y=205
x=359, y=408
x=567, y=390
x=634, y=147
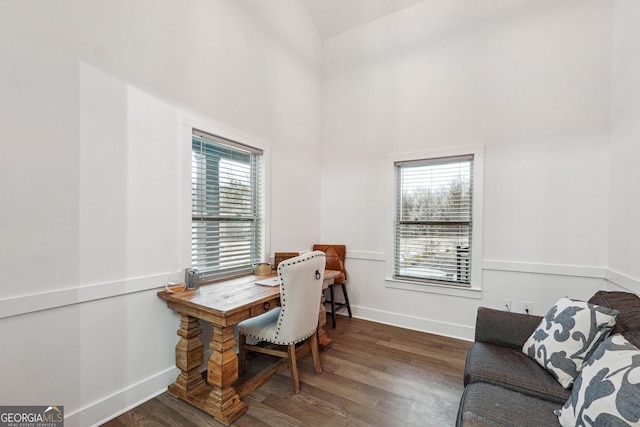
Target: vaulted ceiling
x=333, y=17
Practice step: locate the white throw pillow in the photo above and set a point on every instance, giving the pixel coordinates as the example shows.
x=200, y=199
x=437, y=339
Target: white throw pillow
x=567, y=335
x=607, y=391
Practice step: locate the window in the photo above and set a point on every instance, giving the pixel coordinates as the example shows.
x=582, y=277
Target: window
x=434, y=220
x=226, y=206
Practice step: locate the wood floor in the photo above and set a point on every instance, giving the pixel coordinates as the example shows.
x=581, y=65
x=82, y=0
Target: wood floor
x=374, y=375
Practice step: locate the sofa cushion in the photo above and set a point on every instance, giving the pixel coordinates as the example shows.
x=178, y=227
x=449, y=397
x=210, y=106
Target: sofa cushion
x=567, y=335
x=510, y=368
x=607, y=391
x=489, y=405
x=628, y=304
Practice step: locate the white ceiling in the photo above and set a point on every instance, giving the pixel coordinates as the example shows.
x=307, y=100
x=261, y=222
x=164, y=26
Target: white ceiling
x=333, y=17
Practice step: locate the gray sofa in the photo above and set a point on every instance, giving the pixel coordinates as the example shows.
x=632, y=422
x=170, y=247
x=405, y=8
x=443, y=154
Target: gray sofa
x=504, y=387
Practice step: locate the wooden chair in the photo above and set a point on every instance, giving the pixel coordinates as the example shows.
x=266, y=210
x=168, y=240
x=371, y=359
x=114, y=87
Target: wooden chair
x=278, y=257
x=335, y=261
x=294, y=322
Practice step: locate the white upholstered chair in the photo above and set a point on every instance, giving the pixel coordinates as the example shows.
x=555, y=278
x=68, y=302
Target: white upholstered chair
x=295, y=321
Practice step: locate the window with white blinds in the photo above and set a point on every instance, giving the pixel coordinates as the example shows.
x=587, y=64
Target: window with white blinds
x=226, y=195
x=433, y=225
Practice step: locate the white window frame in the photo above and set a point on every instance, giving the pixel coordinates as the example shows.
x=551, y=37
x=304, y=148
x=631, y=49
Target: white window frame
x=475, y=287
x=191, y=123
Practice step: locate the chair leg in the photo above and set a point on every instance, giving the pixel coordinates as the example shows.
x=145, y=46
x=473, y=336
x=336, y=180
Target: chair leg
x=242, y=353
x=333, y=307
x=346, y=299
x=315, y=351
x=338, y=306
x=294, y=368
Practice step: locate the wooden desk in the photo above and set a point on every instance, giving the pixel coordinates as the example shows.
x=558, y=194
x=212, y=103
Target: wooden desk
x=222, y=304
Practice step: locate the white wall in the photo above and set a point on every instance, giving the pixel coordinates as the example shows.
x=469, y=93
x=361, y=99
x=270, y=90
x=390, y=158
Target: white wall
x=93, y=98
x=530, y=80
x=625, y=151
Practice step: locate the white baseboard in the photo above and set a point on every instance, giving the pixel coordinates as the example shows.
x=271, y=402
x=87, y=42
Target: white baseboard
x=103, y=410
x=415, y=323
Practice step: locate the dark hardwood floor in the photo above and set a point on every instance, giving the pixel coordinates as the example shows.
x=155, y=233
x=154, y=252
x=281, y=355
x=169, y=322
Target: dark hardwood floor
x=374, y=375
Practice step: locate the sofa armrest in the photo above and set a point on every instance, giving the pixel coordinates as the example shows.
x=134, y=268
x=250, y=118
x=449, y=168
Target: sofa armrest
x=504, y=328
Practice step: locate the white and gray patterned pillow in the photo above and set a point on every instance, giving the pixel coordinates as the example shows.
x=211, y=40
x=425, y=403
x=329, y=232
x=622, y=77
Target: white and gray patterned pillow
x=607, y=391
x=566, y=336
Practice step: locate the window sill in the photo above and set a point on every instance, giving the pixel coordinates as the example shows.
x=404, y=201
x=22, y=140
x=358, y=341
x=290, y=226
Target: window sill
x=434, y=288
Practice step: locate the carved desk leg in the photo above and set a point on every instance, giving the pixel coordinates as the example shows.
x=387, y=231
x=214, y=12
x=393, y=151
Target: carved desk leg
x=324, y=342
x=189, y=356
x=222, y=370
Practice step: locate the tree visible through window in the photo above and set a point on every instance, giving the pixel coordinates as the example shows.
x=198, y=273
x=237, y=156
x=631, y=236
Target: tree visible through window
x=434, y=220
x=226, y=206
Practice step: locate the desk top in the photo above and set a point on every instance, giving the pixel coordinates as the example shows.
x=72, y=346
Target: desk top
x=230, y=301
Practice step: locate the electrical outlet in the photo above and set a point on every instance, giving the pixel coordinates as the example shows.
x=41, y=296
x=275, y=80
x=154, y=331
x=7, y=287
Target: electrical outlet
x=527, y=307
x=506, y=304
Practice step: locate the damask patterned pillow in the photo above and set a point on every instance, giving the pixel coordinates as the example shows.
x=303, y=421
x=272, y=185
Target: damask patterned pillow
x=567, y=335
x=607, y=391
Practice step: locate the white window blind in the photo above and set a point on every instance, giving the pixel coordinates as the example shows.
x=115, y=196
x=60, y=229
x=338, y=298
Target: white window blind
x=226, y=194
x=433, y=225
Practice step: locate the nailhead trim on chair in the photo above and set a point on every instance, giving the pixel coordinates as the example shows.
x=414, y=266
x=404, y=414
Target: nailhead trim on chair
x=284, y=343
x=283, y=301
